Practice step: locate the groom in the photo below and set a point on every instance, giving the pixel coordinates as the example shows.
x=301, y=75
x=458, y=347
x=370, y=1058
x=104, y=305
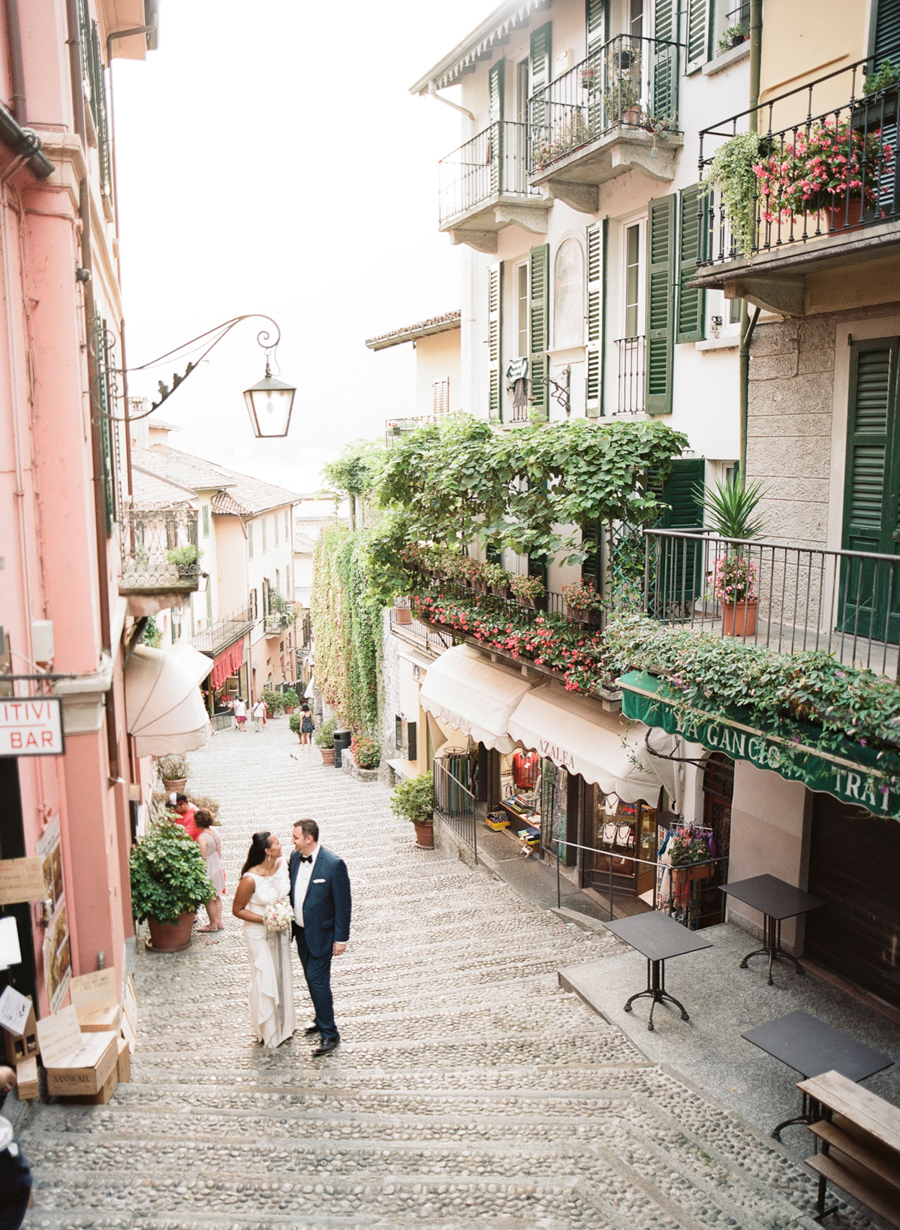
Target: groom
x=320, y=896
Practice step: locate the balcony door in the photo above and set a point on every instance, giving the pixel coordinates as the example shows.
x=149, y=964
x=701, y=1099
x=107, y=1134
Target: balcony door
x=869, y=604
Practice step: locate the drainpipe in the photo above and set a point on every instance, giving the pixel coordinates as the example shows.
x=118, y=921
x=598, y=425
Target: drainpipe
x=432, y=93
x=16, y=66
x=748, y=325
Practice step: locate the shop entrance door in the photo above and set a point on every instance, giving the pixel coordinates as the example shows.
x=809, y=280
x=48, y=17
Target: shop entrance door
x=12, y=845
x=854, y=865
x=718, y=791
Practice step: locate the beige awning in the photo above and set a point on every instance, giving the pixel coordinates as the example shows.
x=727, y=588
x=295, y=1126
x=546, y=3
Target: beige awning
x=474, y=695
x=163, y=705
x=577, y=734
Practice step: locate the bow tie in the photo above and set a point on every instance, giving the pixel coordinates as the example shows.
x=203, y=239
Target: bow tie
x=306, y=858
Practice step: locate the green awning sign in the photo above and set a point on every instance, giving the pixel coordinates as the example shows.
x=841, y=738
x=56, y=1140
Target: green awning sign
x=851, y=776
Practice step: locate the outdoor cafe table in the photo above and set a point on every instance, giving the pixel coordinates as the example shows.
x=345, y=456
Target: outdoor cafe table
x=658, y=938
x=811, y=1047
x=775, y=900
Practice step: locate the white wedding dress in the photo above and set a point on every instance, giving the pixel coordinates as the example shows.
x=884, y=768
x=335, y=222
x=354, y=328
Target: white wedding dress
x=271, y=978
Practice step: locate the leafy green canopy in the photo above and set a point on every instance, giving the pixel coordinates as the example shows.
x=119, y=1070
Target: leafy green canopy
x=459, y=481
x=356, y=470
x=347, y=626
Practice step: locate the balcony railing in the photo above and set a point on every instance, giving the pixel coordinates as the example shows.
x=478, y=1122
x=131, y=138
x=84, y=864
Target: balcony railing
x=490, y=165
x=632, y=368
x=845, y=603
x=832, y=171
x=224, y=632
x=396, y=429
x=414, y=630
x=514, y=608
x=628, y=83
x=157, y=545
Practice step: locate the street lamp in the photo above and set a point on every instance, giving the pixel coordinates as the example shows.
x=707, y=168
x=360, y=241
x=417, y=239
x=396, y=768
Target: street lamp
x=269, y=402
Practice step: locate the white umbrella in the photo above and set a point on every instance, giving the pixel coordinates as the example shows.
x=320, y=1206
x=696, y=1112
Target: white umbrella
x=163, y=705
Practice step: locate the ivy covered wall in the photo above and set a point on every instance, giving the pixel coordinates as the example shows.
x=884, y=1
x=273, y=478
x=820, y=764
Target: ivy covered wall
x=347, y=629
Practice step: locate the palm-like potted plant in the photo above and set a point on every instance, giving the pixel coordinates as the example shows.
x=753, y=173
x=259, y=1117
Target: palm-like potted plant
x=174, y=771
x=413, y=800
x=168, y=884
x=325, y=738
x=531, y=591
x=731, y=510
x=583, y=603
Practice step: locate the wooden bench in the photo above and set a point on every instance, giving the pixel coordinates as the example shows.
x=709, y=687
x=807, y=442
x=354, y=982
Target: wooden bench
x=860, y=1145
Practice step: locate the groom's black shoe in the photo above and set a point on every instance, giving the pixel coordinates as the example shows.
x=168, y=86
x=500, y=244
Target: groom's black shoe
x=311, y=1029
x=326, y=1046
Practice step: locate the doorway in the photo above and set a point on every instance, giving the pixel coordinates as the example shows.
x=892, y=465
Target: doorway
x=718, y=792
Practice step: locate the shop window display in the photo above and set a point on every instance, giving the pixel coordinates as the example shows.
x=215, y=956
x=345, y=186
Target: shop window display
x=623, y=834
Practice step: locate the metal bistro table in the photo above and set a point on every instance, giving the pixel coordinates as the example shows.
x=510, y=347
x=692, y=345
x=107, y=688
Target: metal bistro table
x=811, y=1047
x=775, y=900
x=657, y=937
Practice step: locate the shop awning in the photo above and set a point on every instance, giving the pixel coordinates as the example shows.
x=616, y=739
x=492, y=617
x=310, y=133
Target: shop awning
x=227, y=663
x=577, y=734
x=853, y=777
x=474, y=695
x=163, y=705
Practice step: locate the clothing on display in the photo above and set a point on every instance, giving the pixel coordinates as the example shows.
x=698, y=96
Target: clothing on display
x=686, y=887
x=525, y=768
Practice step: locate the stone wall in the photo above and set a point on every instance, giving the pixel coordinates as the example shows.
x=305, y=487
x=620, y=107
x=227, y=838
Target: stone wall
x=789, y=426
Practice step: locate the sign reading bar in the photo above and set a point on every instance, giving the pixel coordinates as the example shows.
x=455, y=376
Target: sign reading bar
x=21, y=879
x=31, y=726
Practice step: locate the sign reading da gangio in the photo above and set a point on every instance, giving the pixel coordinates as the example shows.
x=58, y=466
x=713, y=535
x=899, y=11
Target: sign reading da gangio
x=31, y=726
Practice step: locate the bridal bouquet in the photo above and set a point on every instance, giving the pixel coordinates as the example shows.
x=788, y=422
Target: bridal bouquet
x=278, y=915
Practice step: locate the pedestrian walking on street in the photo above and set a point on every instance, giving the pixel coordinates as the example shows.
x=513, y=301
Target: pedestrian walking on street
x=15, y=1173
x=240, y=714
x=264, y=882
x=307, y=725
x=210, y=844
x=320, y=896
x=184, y=814
x=259, y=715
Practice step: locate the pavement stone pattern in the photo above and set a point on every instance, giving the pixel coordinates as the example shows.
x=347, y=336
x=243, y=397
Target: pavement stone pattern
x=468, y=1088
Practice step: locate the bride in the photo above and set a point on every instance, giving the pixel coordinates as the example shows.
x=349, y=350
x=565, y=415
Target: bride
x=264, y=880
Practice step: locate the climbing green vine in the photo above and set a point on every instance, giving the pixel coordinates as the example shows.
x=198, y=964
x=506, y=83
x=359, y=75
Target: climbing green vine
x=347, y=628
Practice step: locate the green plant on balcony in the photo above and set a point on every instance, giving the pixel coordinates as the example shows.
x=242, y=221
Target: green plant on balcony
x=582, y=596
x=882, y=78
x=497, y=578
x=184, y=559
x=622, y=99
x=281, y=610
x=733, y=171
x=731, y=508
x=567, y=134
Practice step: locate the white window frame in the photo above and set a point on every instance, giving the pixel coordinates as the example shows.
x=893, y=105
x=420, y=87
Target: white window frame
x=521, y=303
x=641, y=330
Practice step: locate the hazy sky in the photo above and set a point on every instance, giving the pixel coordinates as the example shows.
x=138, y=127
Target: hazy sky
x=271, y=159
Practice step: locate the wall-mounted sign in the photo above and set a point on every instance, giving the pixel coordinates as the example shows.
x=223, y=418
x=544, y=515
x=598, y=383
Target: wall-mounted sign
x=21, y=879
x=31, y=726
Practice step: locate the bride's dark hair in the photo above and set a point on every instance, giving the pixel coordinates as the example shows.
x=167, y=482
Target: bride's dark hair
x=257, y=853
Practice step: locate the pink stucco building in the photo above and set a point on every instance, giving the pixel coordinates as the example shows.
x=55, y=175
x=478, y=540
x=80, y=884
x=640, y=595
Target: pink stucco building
x=65, y=484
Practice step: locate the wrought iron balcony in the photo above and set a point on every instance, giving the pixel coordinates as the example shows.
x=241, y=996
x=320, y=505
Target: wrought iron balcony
x=159, y=551
x=615, y=111
x=632, y=375
x=484, y=187
x=825, y=185
x=222, y=633
x=786, y=598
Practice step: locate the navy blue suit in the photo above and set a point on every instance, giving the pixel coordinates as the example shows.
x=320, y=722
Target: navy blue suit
x=326, y=922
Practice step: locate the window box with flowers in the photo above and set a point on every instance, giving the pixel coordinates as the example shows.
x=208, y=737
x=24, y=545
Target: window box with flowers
x=833, y=167
x=583, y=603
x=498, y=580
x=530, y=591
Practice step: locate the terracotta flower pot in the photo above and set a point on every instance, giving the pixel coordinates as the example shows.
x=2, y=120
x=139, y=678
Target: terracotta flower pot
x=327, y=755
x=846, y=215
x=590, y=619
x=424, y=835
x=403, y=614
x=739, y=618
x=171, y=937
x=178, y=785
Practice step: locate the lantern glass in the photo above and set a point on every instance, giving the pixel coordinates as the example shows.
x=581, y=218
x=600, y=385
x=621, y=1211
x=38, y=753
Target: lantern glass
x=269, y=404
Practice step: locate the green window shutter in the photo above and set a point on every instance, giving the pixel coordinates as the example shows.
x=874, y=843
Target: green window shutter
x=596, y=246
x=541, y=120
x=494, y=555
x=595, y=24
x=664, y=89
x=660, y=304
x=105, y=409
x=495, y=112
x=495, y=377
x=697, y=34
x=691, y=306
x=537, y=567
x=539, y=327
x=592, y=538
x=676, y=566
x=887, y=32
x=685, y=510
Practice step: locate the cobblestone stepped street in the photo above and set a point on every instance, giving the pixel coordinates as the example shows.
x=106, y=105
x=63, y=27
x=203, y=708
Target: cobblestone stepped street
x=468, y=1087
